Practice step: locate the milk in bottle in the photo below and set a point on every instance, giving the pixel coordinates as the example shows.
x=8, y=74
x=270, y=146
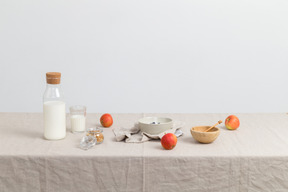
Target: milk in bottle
x=54, y=108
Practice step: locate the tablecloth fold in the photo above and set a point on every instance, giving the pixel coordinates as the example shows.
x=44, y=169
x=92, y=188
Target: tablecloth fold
x=135, y=135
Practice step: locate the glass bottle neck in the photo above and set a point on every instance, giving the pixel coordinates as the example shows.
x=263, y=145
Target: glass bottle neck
x=53, y=85
x=53, y=92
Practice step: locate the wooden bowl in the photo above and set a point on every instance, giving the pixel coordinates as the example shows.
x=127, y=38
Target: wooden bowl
x=204, y=137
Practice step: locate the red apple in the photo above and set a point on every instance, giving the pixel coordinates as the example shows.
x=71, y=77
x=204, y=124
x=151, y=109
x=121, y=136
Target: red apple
x=169, y=141
x=232, y=122
x=106, y=120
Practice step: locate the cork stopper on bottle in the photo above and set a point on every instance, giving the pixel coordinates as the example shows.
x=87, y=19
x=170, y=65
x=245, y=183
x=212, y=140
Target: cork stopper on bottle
x=53, y=77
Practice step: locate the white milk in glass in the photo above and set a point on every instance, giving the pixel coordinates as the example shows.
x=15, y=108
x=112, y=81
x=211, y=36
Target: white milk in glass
x=78, y=123
x=54, y=120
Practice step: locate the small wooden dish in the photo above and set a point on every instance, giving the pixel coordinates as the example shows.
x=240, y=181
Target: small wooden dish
x=199, y=134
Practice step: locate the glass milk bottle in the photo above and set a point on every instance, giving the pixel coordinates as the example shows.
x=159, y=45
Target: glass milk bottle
x=54, y=109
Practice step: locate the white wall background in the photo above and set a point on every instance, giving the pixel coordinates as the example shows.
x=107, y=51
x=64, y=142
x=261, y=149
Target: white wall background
x=146, y=56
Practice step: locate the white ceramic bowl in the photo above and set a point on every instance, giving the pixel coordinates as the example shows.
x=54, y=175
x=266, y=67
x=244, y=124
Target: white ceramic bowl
x=155, y=125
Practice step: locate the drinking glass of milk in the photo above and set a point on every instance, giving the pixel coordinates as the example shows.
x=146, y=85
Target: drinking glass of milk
x=78, y=118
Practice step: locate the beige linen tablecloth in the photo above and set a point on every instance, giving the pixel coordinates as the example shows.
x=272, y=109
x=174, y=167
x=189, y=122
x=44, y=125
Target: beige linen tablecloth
x=252, y=158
